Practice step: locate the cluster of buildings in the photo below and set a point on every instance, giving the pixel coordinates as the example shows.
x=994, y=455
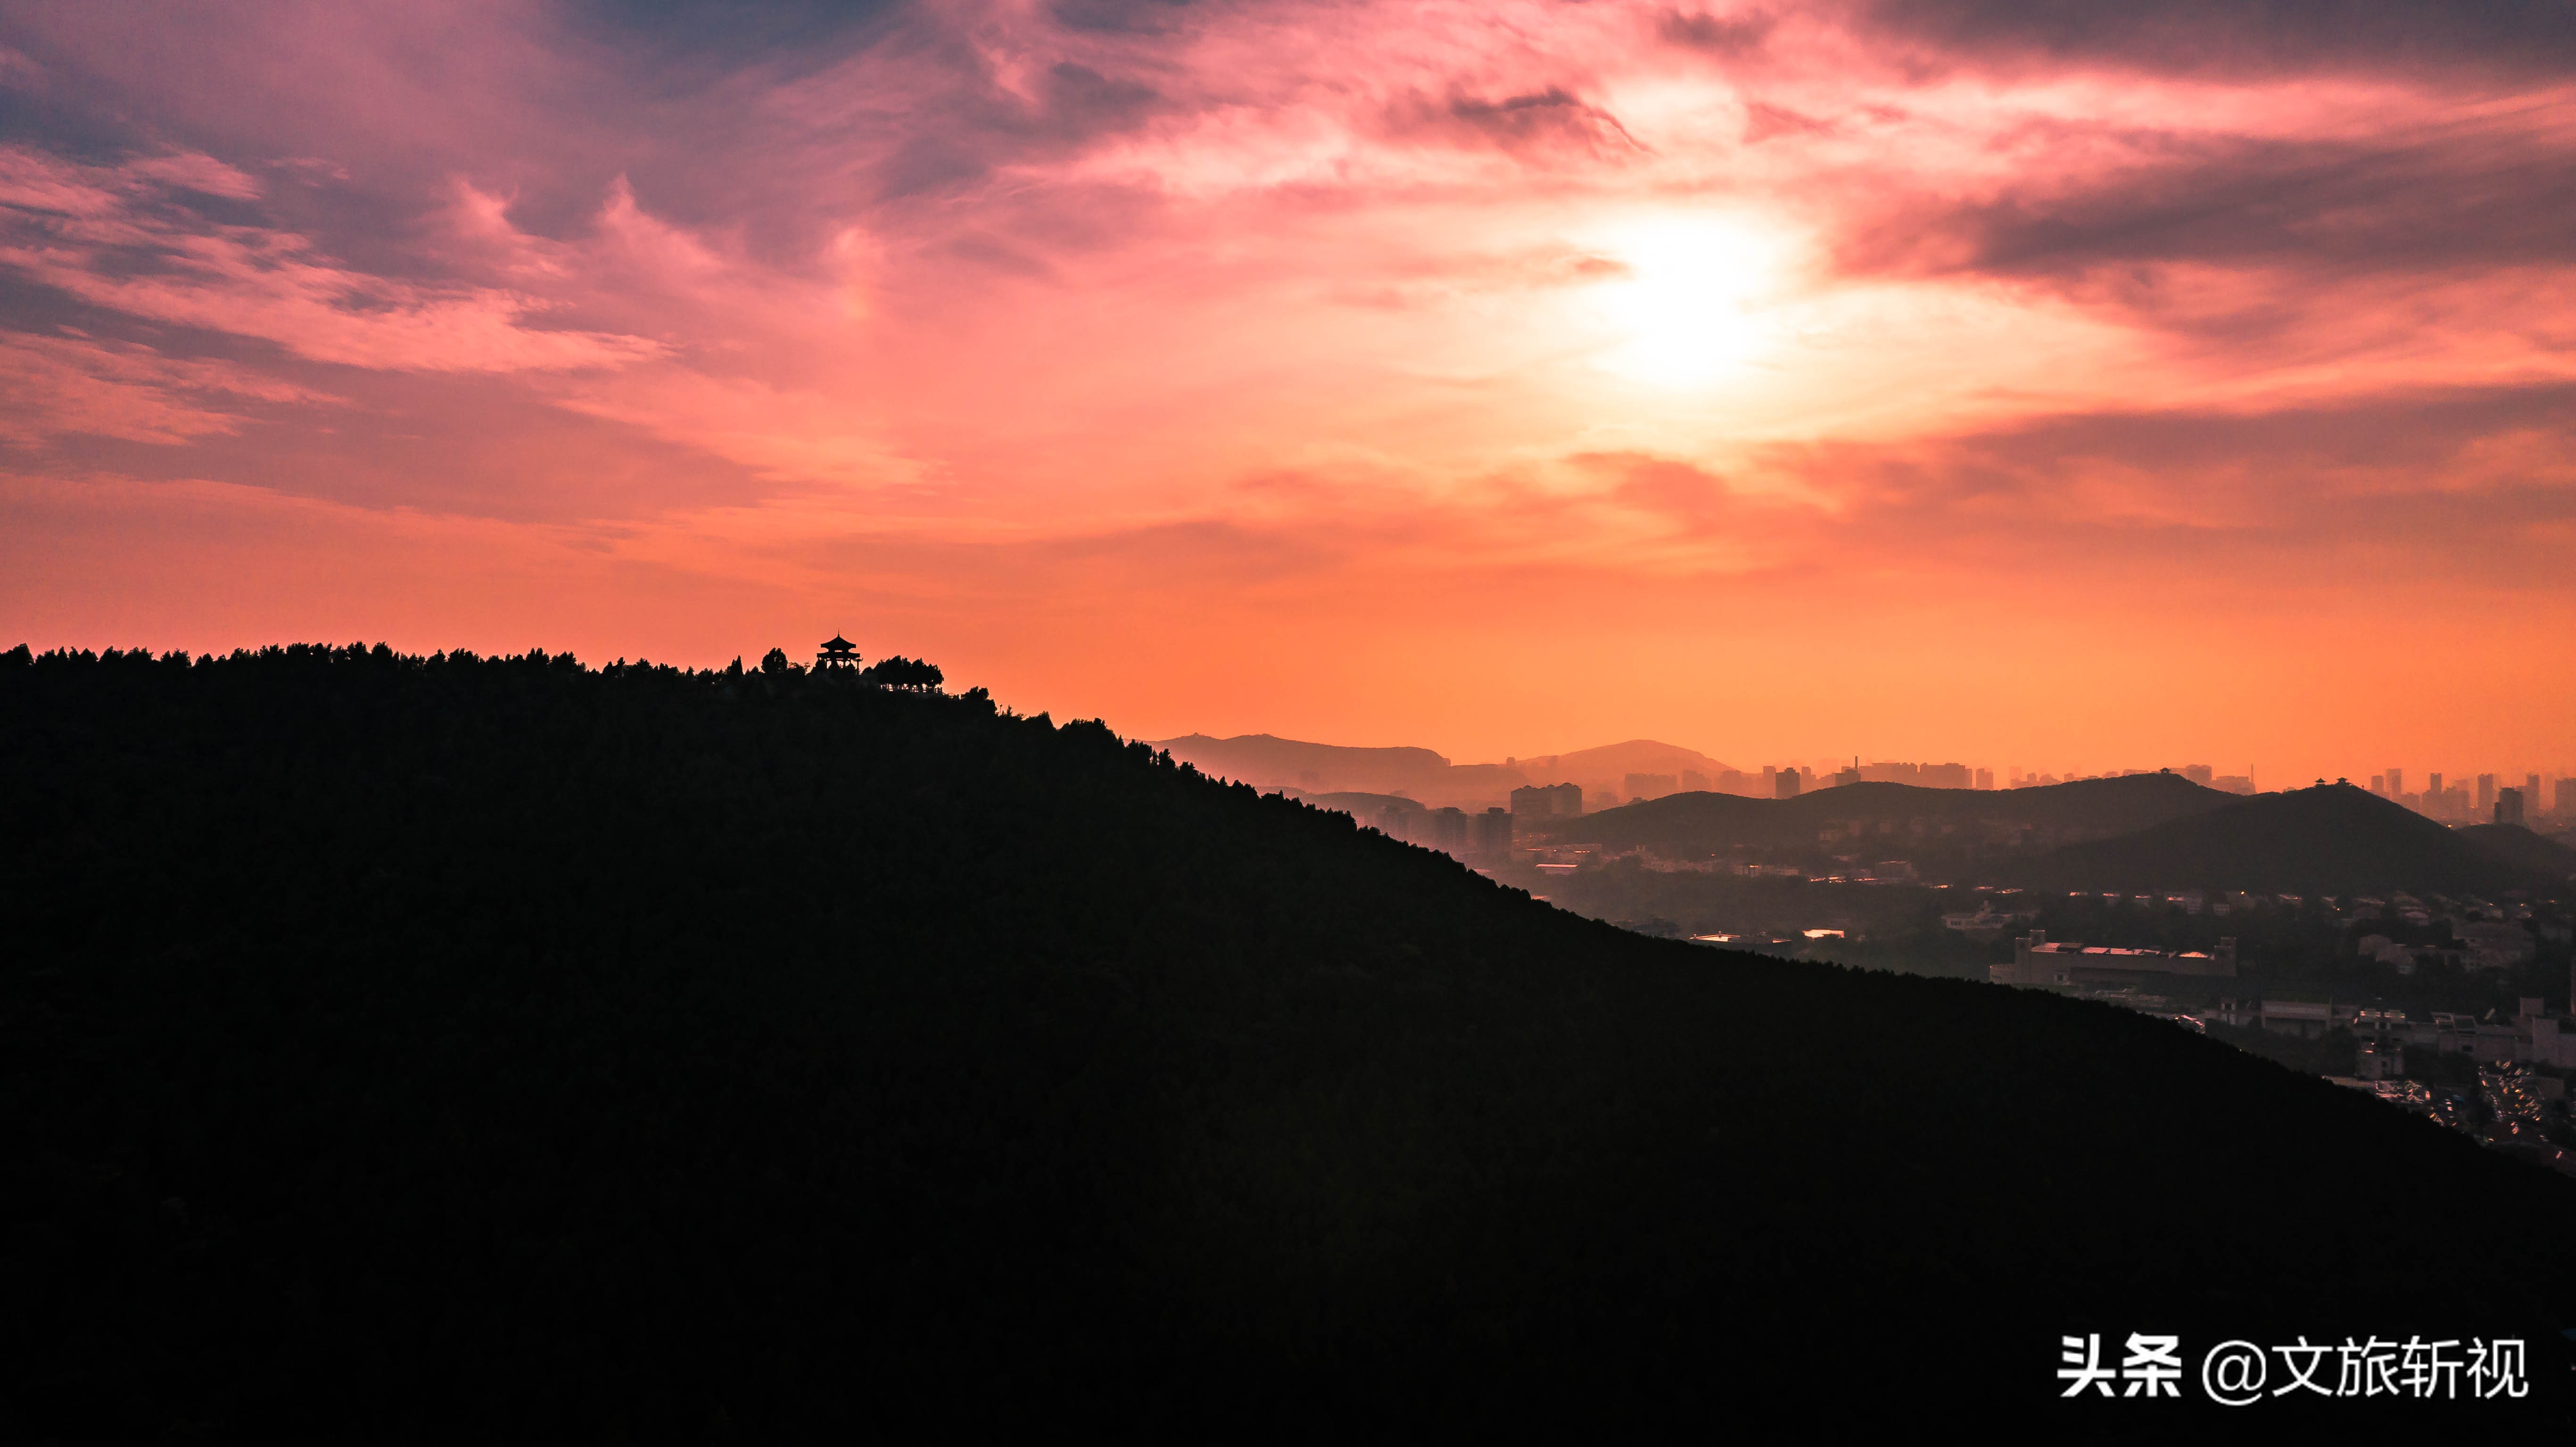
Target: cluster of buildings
x=2522, y=1106
x=1551, y=801
x=2039, y=961
x=1788, y=781
x=2479, y=944
x=1925, y=776
x=2484, y=800
x=2205, y=775
x=1770, y=782
x=1484, y=838
x=2531, y=1037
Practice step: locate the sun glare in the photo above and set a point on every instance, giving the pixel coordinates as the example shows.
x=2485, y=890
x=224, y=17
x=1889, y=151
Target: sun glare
x=1688, y=311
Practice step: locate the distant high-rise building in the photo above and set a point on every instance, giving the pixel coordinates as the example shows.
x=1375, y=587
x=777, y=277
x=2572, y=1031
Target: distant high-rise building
x=2567, y=796
x=2396, y=782
x=1694, y=782
x=1547, y=801
x=2379, y=785
x=2432, y=790
x=1784, y=784
x=1651, y=786
x=1494, y=833
x=1448, y=830
x=2508, y=806
x=2531, y=801
x=1985, y=778
x=2200, y=774
x=2486, y=793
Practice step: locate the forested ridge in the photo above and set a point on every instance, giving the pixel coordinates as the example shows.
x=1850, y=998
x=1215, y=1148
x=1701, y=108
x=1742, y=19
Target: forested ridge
x=397, y=1047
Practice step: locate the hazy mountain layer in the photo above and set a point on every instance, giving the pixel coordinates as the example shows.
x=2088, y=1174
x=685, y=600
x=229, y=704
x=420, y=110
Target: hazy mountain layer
x=1269, y=762
x=1948, y=822
x=1609, y=765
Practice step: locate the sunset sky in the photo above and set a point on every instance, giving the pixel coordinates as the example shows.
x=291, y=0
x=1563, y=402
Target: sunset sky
x=2076, y=385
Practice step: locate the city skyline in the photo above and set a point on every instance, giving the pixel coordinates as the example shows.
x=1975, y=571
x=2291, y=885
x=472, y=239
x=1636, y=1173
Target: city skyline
x=1635, y=770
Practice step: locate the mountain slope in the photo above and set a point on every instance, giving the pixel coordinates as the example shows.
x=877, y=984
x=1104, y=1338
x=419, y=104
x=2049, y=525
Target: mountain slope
x=2328, y=839
x=2523, y=849
x=497, y=1049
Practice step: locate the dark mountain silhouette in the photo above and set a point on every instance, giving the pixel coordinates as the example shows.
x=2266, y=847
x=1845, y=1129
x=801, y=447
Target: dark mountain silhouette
x=2524, y=849
x=490, y=1049
x=1713, y=823
x=2329, y=839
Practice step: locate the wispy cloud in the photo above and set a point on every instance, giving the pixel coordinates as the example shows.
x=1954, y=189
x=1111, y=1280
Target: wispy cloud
x=124, y=237
x=59, y=385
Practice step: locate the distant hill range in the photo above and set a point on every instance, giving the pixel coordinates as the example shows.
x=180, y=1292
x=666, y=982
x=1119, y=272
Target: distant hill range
x=2329, y=839
x=2141, y=832
x=1366, y=808
x=1266, y=761
x=1607, y=768
x=1269, y=762
x=1902, y=815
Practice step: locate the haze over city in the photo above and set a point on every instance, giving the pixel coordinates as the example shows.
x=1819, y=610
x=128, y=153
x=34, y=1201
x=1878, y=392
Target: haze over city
x=2069, y=387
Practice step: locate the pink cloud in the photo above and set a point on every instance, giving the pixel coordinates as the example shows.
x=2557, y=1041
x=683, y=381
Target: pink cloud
x=60, y=385
x=94, y=232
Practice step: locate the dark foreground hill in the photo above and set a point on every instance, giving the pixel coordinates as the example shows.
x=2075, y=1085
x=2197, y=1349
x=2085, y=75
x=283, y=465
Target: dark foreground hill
x=494, y=1049
x=2330, y=839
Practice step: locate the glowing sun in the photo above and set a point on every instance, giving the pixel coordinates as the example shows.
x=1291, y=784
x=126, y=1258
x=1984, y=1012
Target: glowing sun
x=1687, y=312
